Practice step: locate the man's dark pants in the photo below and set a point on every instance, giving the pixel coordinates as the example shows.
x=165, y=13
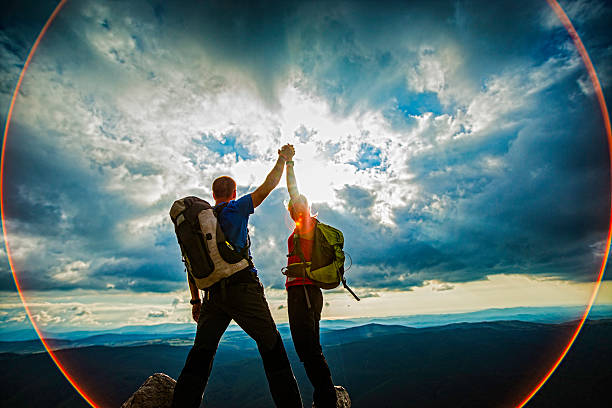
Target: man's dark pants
x=242, y=299
x=304, y=325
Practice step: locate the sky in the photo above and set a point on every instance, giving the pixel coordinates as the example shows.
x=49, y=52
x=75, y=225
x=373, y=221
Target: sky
x=457, y=144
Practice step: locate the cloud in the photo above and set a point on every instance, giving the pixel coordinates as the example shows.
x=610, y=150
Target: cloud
x=43, y=318
x=157, y=314
x=441, y=287
x=369, y=295
x=20, y=26
x=72, y=272
x=470, y=150
x=303, y=134
x=356, y=198
x=17, y=319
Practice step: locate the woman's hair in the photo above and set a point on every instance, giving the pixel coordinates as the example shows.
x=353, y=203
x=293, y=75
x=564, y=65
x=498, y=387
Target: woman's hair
x=299, y=200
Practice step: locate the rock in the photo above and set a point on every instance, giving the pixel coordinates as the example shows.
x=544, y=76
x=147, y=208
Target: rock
x=343, y=399
x=155, y=392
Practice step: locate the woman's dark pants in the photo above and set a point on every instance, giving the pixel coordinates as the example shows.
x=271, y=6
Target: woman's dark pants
x=304, y=324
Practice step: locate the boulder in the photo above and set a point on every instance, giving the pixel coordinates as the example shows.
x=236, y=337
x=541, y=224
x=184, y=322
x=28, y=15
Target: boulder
x=155, y=392
x=343, y=400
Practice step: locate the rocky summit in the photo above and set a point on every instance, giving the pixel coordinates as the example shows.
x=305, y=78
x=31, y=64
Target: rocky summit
x=155, y=392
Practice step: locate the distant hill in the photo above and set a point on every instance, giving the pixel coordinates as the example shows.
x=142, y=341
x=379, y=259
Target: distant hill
x=557, y=314
x=459, y=365
x=232, y=339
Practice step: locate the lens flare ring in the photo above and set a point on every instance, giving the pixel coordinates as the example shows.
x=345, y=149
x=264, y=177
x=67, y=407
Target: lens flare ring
x=604, y=111
x=52, y=354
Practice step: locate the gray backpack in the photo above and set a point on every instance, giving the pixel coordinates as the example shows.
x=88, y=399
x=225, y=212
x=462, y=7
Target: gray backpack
x=207, y=255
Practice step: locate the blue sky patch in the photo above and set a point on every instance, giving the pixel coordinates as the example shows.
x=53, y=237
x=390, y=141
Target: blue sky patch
x=412, y=104
x=368, y=157
x=229, y=144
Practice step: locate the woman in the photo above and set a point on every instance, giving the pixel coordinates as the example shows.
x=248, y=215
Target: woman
x=305, y=300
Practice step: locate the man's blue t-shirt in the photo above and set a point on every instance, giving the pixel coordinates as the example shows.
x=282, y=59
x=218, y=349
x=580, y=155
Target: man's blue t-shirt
x=234, y=220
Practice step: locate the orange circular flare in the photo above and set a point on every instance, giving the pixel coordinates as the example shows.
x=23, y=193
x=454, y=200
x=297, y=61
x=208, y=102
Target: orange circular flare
x=604, y=111
x=55, y=359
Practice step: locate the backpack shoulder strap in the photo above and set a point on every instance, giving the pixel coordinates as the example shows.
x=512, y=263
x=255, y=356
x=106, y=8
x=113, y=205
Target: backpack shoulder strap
x=218, y=208
x=297, y=247
x=244, y=252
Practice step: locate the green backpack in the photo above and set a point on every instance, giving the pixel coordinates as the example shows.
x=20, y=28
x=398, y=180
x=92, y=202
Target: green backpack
x=326, y=269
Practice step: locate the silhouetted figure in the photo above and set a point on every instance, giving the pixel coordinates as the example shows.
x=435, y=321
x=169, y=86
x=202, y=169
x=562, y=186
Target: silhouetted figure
x=305, y=300
x=239, y=297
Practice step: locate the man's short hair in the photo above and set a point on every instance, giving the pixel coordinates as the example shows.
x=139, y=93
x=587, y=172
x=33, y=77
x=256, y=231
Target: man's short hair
x=223, y=187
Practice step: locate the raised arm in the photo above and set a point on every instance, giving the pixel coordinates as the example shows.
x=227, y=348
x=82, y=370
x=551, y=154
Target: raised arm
x=291, y=181
x=284, y=154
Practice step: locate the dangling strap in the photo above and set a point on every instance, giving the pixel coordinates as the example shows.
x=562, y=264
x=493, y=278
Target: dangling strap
x=349, y=289
x=307, y=297
x=297, y=248
x=293, y=252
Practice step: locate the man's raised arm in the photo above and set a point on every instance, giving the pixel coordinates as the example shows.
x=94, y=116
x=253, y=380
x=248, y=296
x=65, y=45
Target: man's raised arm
x=272, y=180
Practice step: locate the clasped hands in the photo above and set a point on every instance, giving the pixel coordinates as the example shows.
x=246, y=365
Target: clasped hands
x=287, y=152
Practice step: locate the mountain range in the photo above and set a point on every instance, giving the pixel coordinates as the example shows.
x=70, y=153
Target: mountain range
x=484, y=364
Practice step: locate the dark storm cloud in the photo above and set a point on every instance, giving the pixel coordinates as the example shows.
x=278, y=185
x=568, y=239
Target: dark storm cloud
x=57, y=205
x=250, y=37
x=6, y=280
x=20, y=23
x=367, y=48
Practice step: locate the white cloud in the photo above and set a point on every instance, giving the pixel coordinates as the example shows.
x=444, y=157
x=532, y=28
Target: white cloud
x=72, y=272
x=434, y=67
x=44, y=318
x=17, y=319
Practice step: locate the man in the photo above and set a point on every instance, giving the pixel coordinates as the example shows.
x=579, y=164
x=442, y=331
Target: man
x=239, y=297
